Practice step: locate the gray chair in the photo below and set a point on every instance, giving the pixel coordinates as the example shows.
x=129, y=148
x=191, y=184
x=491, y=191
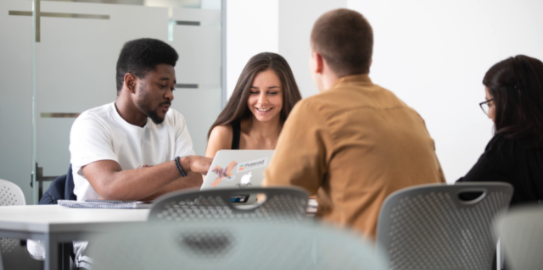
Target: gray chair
x=233, y=244
x=14, y=255
x=441, y=226
x=281, y=204
x=521, y=236
x=11, y=194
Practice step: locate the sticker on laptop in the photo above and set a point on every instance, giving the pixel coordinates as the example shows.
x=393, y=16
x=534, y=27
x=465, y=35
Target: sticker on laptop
x=223, y=173
x=251, y=165
x=229, y=178
x=240, y=198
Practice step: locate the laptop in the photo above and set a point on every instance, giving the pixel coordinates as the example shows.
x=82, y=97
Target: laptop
x=238, y=169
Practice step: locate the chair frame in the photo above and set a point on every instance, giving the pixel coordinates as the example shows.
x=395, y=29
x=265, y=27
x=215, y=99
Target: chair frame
x=17, y=251
x=226, y=194
x=386, y=232
x=519, y=232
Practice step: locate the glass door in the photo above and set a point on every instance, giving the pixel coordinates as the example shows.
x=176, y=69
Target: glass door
x=73, y=52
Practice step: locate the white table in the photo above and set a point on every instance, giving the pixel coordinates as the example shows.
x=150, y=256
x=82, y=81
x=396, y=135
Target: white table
x=54, y=224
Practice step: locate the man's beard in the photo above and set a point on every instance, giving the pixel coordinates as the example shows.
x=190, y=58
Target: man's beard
x=150, y=113
x=153, y=115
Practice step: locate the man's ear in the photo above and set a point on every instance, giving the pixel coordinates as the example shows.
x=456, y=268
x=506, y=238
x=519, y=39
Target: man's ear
x=130, y=82
x=319, y=63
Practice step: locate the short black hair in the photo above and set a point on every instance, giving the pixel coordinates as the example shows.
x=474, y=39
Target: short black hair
x=142, y=55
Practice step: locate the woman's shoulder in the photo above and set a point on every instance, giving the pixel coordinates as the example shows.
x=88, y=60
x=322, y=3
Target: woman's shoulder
x=499, y=139
x=500, y=149
x=219, y=138
x=221, y=131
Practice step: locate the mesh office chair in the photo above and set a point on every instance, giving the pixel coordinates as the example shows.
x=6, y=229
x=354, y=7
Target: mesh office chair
x=14, y=254
x=521, y=236
x=441, y=226
x=281, y=204
x=232, y=245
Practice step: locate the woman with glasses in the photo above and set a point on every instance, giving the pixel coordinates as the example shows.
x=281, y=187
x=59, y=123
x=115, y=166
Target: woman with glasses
x=514, y=101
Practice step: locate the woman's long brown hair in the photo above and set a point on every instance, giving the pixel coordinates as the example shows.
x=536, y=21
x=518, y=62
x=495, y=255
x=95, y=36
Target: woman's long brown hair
x=236, y=109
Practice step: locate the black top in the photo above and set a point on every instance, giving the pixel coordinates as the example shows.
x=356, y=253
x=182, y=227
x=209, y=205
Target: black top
x=236, y=131
x=514, y=162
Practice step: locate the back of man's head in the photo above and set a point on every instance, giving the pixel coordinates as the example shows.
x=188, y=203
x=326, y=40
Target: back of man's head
x=140, y=56
x=345, y=40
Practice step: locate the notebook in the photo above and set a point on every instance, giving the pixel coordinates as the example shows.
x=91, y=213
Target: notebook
x=105, y=204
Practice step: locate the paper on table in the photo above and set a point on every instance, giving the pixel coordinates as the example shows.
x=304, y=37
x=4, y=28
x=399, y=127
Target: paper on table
x=104, y=205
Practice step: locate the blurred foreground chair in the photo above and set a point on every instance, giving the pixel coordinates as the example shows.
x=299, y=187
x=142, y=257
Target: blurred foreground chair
x=279, y=204
x=232, y=245
x=441, y=226
x=521, y=236
x=14, y=254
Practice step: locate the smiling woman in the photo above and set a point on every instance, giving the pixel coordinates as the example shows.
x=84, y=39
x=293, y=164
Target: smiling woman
x=263, y=97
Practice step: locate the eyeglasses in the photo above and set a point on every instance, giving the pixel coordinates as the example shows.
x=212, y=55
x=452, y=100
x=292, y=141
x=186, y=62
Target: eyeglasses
x=484, y=106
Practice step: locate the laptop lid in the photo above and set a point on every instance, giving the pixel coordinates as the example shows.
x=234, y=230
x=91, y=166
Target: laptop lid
x=237, y=169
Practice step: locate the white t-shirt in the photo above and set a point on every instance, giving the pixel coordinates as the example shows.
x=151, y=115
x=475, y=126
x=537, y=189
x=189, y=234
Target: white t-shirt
x=102, y=134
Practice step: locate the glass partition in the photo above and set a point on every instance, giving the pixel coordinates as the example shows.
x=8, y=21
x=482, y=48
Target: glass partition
x=68, y=66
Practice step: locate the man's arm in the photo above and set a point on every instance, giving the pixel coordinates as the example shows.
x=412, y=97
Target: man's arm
x=441, y=175
x=193, y=180
x=112, y=183
x=302, y=153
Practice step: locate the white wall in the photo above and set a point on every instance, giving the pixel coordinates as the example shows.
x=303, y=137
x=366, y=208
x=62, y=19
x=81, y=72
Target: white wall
x=296, y=19
x=432, y=54
x=252, y=28
x=280, y=26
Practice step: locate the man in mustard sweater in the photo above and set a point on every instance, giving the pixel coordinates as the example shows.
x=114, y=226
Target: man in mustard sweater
x=354, y=143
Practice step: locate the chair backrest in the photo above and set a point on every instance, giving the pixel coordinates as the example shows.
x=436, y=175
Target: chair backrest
x=55, y=191
x=14, y=255
x=281, y=204
x=521, y=236
x=232, y=245
x=11, y=194
x=437, y=226
x=62, y=188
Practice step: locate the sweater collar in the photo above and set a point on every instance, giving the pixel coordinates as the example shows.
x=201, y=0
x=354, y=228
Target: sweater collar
x=352, y=79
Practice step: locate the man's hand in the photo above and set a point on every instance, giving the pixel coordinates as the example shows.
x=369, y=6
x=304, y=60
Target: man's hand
x=112, y=183
x=196, y=164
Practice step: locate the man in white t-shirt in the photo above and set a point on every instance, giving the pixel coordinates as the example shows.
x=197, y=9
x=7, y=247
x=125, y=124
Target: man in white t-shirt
x=136, y=148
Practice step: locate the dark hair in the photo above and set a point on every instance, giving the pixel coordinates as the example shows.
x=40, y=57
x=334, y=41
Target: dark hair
x=140, y=56
x=345, y=40
x=236, y=109
x=516, y=85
